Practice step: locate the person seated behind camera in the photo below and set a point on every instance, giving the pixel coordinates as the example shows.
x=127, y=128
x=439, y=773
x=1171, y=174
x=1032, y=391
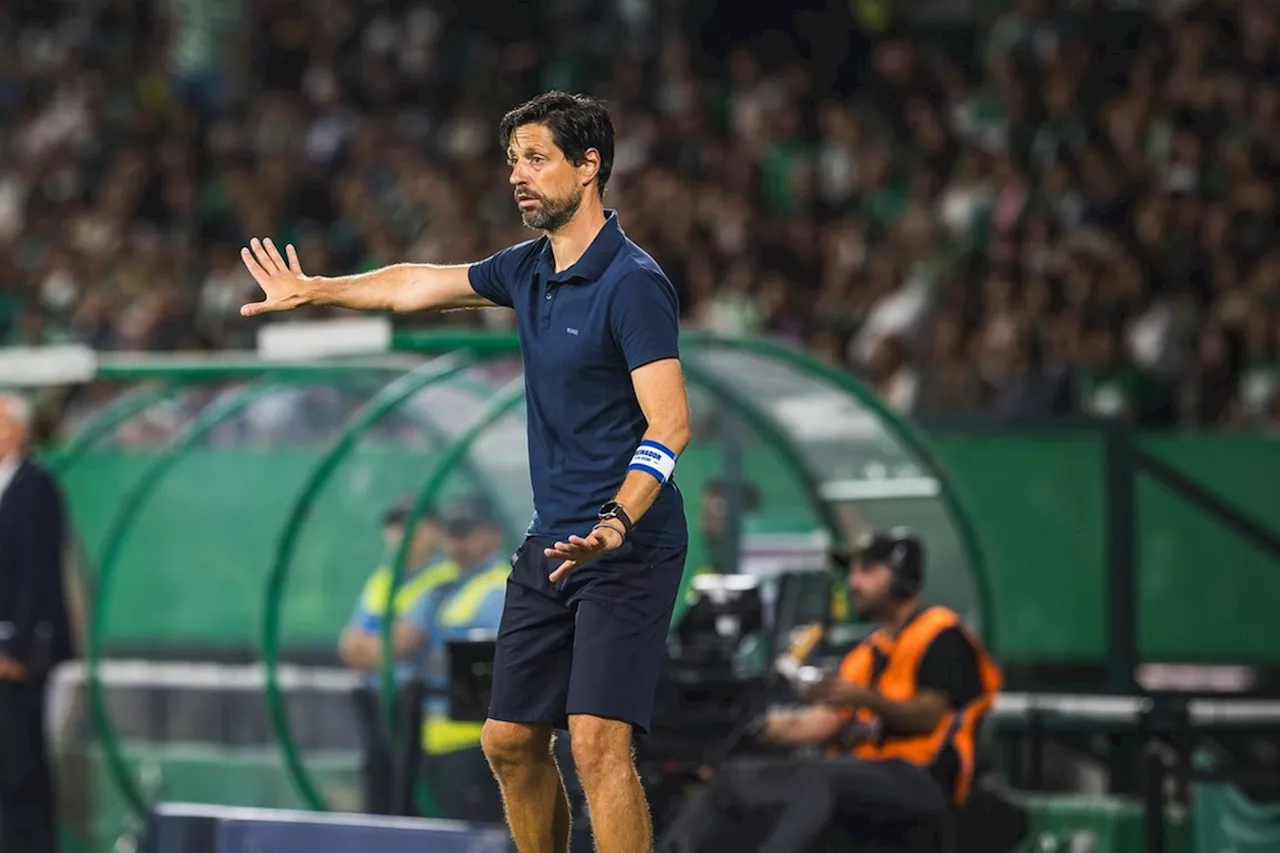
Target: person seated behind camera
x=427, y=567
x=453, y=763
x=898, y=718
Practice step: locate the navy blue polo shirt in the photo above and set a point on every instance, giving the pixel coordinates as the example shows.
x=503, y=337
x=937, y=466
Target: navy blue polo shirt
x=582, y=331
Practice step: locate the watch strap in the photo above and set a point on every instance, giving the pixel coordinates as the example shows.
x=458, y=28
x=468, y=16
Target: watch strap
x=614, y=511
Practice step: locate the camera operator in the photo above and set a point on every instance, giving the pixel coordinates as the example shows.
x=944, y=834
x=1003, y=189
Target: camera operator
x=897, y=720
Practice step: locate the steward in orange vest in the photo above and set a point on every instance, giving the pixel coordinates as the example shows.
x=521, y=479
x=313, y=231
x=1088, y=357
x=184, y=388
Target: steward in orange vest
x=893, y=666
x=898, y=720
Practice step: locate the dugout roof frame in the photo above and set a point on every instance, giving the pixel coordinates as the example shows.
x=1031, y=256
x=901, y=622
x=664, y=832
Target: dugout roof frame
x=734, y=373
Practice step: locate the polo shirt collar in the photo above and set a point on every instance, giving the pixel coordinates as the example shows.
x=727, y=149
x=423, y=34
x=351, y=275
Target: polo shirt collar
x=595, y=259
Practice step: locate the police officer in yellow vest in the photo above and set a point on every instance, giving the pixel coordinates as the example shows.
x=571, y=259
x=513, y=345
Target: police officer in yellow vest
x=360, y=647
x=452, y=763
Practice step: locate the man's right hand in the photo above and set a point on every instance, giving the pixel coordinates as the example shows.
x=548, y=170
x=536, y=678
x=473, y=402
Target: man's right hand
x=283, y=284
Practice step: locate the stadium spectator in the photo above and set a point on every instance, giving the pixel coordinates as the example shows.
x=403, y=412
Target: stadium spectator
x=1042, y=224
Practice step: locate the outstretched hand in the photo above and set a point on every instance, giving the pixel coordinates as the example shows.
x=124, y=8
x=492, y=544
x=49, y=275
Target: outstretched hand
x=282, y=283
x=601, y=540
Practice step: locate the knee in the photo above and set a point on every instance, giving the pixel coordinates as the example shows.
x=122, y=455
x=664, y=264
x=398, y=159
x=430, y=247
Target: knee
x=600, y=747
x=508, y=746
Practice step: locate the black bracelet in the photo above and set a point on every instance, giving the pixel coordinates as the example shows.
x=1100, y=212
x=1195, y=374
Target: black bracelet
x=622, y=534
x=614, y=511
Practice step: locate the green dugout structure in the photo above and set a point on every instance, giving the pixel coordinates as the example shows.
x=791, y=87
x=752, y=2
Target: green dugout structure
x=228, y=508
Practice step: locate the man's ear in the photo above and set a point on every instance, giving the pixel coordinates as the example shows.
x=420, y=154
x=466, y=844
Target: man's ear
x=589, y=170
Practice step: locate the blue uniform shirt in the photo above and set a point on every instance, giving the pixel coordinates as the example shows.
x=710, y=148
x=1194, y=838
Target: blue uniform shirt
x=470, y=601
x=415, y=586
x=582, y=331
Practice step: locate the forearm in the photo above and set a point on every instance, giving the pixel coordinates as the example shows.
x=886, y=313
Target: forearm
x=363, y=650
x=910, y=717
x=807, y=725
x=640, y=489
x=400, y=288
x=637, y=493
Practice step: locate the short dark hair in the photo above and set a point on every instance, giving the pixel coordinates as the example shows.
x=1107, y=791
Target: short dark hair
x=577, y=123
x=398, y=512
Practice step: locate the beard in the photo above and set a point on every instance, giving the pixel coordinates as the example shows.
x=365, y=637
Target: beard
x=871, y=607
x=552, y=213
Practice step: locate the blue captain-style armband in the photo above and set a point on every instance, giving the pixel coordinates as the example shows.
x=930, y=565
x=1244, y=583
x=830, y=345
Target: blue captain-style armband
x=654, y=459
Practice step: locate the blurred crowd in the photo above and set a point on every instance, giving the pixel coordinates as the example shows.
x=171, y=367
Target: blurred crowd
x=1070, y=213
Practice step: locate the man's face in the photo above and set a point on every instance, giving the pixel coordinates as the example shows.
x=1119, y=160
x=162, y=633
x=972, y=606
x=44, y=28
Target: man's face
x=871, y=584
x=391, y=534
x=712, y=517
x=548, y=188
x=13, y=433
x=426, y=540
x=468, y=547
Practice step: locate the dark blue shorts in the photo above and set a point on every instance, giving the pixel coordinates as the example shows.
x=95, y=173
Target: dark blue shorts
x=592, y=644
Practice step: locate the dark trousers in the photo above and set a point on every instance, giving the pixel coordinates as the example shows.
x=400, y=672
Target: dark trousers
x=389, y=768
x=800, y=806
x=378, y=768
x=28, y=809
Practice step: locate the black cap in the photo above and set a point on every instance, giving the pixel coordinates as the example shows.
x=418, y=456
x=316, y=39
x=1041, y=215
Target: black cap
x=894, y=547
x=899, y=548
x=400, y=509
x=466, y=514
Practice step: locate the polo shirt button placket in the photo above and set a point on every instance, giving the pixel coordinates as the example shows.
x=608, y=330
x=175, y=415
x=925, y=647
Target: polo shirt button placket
x=546, y=309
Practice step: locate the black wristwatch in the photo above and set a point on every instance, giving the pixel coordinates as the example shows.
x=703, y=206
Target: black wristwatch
x=613, y=511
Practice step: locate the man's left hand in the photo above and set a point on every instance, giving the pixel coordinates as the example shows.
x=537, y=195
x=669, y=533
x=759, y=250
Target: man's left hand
x=578, y=550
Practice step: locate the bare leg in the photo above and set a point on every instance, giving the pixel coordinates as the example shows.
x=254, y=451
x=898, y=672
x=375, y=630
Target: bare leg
x=602, y=752
x=532, y=790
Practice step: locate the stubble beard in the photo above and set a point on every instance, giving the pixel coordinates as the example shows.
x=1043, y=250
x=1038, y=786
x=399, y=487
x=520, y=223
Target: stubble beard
x=552, y=214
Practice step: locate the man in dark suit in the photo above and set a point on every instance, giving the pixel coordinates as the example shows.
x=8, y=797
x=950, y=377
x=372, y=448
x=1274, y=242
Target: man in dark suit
x=34, y=633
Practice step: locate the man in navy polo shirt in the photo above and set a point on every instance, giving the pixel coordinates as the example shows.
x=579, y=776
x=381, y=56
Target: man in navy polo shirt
x=591, y=590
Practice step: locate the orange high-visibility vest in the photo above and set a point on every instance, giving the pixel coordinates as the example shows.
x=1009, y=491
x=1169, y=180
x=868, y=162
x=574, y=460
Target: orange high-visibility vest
x=890, y=665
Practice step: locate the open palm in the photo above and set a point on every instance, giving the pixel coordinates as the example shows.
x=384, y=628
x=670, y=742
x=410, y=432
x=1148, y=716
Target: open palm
x=281, y=282
x=578, y=549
